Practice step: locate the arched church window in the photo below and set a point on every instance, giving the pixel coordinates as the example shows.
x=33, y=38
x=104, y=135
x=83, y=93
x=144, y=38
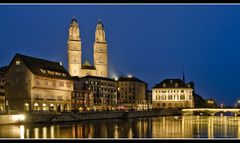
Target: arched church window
x=75, y=59
x=100, y=60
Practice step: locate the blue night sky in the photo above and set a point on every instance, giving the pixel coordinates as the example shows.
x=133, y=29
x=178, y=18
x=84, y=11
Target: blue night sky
x=151, y=42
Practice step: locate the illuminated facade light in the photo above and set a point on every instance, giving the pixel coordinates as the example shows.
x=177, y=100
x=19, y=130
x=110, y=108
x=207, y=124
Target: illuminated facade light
x=129, y=76
x=44, y=104
x=35, y=104
x=22, y=117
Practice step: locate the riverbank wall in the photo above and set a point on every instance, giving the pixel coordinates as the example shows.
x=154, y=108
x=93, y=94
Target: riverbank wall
x=81, y=116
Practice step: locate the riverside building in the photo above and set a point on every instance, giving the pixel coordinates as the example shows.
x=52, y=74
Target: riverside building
x=2, y=89
x=34, y=84
x=100, y=91
x=132, y=93
x=172, y=93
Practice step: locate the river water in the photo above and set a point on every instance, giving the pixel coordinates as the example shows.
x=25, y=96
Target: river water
x=156, y=127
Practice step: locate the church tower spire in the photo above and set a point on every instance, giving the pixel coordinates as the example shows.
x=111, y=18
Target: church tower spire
x=74, y=49
x=100, y=51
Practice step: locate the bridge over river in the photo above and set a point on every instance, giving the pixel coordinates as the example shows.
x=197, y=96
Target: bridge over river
x=210, y=111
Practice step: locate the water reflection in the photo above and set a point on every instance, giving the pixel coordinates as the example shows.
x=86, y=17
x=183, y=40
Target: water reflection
x=158, y=127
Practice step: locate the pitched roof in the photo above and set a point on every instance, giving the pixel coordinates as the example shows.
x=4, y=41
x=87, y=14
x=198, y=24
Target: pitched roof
x=38, y=66
x=93, y=77
x=87, y=65
x=131, y=79
x=170, y=83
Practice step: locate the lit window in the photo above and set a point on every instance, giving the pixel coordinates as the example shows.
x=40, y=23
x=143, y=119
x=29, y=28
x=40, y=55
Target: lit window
x=61, y=83
x=46, y=82
x=68, y=85
x=57, y=73
x=100, y=60
x=164, y=84
x=59, y=97
x=54, y=83
x=176, y=84
x=182, y=97
x=18, y=62
x=50, y=72
x=43, y=71
x=75, y=59
x=37, y=81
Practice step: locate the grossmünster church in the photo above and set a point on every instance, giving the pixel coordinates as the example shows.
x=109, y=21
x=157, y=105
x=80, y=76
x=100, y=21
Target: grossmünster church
x=75, y=65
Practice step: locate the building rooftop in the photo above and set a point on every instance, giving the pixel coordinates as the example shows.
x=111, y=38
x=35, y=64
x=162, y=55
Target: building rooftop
x=132, y=78
x=100, y=25
x=87, y=65
x=93, y=77
x=44, y=67
x=171, y=83
x=74, y=22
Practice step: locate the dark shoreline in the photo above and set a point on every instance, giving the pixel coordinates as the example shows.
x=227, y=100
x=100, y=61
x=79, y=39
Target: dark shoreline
x=63, y=117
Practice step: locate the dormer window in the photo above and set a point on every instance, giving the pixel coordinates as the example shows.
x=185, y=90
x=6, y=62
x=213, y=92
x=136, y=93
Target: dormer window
x=176, y=84
x=164, y=84
x=43, y=71
x=18, y=62
x=50, y=72
x=171, y=81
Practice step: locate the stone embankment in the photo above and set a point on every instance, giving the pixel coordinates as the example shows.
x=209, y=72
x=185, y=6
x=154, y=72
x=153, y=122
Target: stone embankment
x=80, y=116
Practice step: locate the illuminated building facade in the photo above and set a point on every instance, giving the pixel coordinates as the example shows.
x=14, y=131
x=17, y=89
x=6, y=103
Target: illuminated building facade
x=103, y=91
x=172, y=93
x=75, y=66
x=82, y=97
x=132, y=93
x=2, y=89
x=37, y=84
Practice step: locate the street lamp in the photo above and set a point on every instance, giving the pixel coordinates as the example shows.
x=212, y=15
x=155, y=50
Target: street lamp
x=221, y=105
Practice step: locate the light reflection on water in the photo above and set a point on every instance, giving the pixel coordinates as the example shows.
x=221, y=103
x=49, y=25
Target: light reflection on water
x=157, y=127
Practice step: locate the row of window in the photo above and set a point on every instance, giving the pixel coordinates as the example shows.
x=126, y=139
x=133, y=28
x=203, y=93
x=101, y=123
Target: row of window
x=103, y=89
x=107, y=96
x=127, y=97
x=100, y=83
x=127, y=84
x=48, y=97
x=127, y=88
x=127, y=93
x=171, y=97
x=169, y=91
x=52, y=82
x=53, y=73
x=105, y=101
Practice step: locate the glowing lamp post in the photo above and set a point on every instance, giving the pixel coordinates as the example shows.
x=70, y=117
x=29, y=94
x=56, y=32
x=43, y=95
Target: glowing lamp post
x=221, y=105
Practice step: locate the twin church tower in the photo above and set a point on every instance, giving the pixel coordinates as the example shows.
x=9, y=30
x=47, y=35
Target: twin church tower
x=75, y=66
